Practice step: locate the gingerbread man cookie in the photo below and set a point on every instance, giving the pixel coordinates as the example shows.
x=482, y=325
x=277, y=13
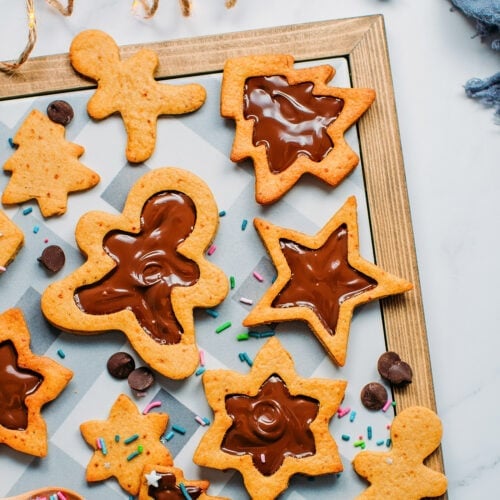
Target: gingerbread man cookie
x=271, y=423
x=45, y=166
x=125, y=443
x=146, y=271
x=128, y=87
x=399, y=474
x=27, y=382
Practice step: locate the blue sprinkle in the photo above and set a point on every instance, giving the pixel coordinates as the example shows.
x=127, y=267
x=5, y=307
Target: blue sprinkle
x=169, y=435
x=36, y=229
x=206, y=420
x=200, y=370
x=388, y=442
x=346, y=437
x=212, y=313
x=245, y=357
x=11, y=142
x=369, y=432
x=61, y=354
x=27, y=211
x=380, y=442
x=179, y=429
x=244, y=223
x=184, y=491
x=352, y=416
x=222, y=213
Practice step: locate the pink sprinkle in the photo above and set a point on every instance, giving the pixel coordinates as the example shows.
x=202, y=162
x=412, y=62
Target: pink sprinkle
x=202, y=357
x=46, y=240
x=61, y=496
x=98, y=443
x=258, y=276
x=3, y=269
x=246, y=301
x=387, y=404
x=200, y=420
x=151, y=405
x=212, y=249
x=342, y=412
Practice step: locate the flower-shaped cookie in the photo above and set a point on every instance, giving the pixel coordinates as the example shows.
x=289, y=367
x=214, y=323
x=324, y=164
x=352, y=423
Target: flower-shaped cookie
x=289, y=121
x=146, y=271
x=321, y=279
x=45, y=166
x=11, y=240
x=399, y=474
x=271, y=423
x=164, y=482
x=27, y=382
x=125, y=443
x=128, y=87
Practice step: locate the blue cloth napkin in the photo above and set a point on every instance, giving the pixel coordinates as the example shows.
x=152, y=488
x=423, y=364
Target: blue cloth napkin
x=486, y=14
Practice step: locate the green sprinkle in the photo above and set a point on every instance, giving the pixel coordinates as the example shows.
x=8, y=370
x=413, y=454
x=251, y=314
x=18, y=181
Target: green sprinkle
x=232, y=282
x=131, y=439
x=359, y=444
x=140, y=448
x=223, y=327
x=243, y=336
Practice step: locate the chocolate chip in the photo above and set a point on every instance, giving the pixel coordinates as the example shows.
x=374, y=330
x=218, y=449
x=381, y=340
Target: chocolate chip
x=392, y=368
x=141, y=379
x=60, y=112
x=120, y=365
x=374, y=396
x=52, y=258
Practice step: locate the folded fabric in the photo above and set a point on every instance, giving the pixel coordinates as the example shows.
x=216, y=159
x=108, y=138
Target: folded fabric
x=486, y=14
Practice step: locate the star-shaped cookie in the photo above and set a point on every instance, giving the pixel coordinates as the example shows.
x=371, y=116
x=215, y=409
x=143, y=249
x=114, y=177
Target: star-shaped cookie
x=400, y=473
x=289, y=121
x=146, y=271
x=125, y=443
x=321, y=279
x=45, y=166
x=11, y=239
x=271, y=423
x=169, y=482
x=128, y=87
x=27, y=382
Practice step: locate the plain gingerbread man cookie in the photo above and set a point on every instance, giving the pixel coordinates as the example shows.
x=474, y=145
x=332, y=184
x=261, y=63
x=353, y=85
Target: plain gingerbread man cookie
x=129, y=88
x=399, y=474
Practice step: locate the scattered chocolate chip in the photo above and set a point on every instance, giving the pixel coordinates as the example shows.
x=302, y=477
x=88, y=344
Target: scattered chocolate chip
x=120, y=365
x=374, y=396
x=52, y=258
x=141, y=379
x=392, y=368
x=60, y=112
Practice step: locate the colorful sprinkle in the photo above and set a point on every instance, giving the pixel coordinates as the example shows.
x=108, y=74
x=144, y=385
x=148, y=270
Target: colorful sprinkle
x=61, y=353
x=184, y=491
x=342, y=412
x=243, y=336
x=244, y=300
x=359, y=443
x=131, y=439
x=352, y=416
x=151, y=405
x=388, y=403
x=179, y=429
x=223, y=327
x=232, y=282
x=61, y=496
x=206, y=420
x=257, y=276
x=98, y=443
x=103, y=446
x=212, y=312
x=27, y=211
x=200, y=420
x=200, y=371
x=244, y=223
x=212, y=249
x=245, y=357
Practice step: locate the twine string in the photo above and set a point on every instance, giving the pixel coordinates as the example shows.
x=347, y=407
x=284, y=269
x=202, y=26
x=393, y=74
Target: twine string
x=149, y=8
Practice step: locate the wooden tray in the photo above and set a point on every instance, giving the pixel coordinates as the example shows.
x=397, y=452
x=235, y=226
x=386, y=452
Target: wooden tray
x=362, y=41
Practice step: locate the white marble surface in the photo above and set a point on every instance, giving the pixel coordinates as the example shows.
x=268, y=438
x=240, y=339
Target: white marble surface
x=451, y=148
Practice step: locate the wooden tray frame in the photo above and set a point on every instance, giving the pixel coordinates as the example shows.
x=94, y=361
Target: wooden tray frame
x=362, y=41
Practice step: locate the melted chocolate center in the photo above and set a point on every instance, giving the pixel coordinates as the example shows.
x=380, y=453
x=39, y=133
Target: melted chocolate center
x=15, y=385
x=148, y=267
x=167, y=489
x=289, y=120
x=322, y=279
x=270, y=425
